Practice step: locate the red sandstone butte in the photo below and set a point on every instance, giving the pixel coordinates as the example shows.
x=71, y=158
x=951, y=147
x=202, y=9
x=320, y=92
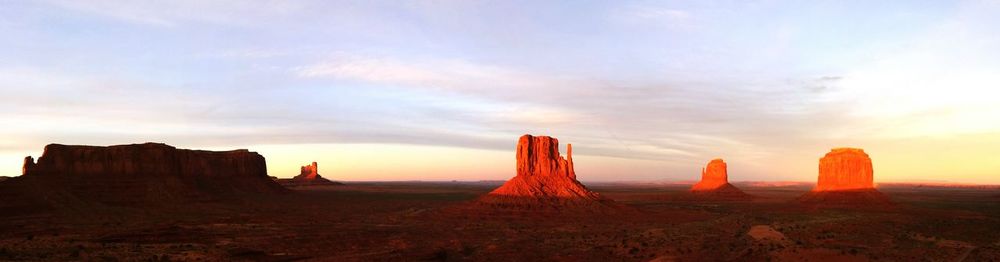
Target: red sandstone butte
x=145, y=172
x=715, y=182
x=846, y=180
x=712, y=176
x=544, y=179
x=845, y=169
x=308, y=175
x=310, y=172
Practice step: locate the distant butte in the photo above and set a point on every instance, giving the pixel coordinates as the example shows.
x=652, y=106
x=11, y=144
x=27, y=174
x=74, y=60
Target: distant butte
x=310, y=172
x=713, y=176
x=846, y=178
x=544, y=181
x=715, y=182
x=308, y=176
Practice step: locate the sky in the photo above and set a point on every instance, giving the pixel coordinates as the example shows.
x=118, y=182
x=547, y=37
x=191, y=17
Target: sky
x=441, y=90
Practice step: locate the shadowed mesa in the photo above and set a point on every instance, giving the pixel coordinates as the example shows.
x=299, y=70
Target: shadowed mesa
x=150, y=173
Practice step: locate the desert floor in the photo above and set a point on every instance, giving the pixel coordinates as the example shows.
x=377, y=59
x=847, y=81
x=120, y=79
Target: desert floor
x=419, y=221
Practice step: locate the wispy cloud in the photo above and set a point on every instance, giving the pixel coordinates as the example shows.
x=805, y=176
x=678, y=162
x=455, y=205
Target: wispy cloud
x=428, y=73
x=174, y=13
x=679, y=122
x=656, y=15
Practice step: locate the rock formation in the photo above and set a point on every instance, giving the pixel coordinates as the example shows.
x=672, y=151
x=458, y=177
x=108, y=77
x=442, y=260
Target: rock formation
x=712, y=176
x=715, y=182
x=845, y=169
x=846, y=180
x=308, y=176
x=310, y=172
x=145, y=172
x=544, y=181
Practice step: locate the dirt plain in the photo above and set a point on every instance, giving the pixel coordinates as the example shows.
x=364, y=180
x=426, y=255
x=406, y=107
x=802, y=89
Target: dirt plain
x=424, y=221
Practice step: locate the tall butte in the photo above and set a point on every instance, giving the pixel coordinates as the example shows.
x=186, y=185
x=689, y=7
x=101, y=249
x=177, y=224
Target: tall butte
x=845, y=177
x=715, y=182
x=544, y=181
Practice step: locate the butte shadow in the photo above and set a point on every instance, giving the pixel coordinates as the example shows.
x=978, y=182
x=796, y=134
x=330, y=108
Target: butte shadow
x=846, y=180
x=545, y=183
x=138, y=175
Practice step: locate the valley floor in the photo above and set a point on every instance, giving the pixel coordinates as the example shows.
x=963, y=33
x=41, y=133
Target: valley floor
x=393, y=221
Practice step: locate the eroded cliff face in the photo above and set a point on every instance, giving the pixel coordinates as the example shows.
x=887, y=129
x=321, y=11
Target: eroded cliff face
x=542, y=172
x=150, y=170
x=539, y=156
x=544, y=178
x=845, y=169
x=713, y=176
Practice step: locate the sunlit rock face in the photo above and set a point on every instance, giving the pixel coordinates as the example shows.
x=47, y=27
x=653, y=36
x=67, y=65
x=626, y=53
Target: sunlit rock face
x=544, y=179
x=845, y=181
x=845, y=169
x=309, y=172
x=712, y=176
x=714, y=184
x=308, y=176
x=542, y=172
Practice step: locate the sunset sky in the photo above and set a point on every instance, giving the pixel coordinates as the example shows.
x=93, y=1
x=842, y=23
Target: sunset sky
x=441, y=90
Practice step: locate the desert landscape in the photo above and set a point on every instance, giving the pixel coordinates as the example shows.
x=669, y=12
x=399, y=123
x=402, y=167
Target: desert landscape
x=470, y=130
x=94, y=203
x=413, y=221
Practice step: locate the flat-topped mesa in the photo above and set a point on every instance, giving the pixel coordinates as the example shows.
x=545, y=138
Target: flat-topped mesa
x=544, y=181
x=845, y=169
x=845, y=181
x=236, y=170
x=713, y=176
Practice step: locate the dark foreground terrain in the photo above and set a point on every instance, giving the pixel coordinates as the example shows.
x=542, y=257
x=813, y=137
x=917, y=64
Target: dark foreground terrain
x=419, y=221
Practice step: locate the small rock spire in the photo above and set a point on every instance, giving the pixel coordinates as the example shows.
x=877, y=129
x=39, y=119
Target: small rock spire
x=29, y=164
